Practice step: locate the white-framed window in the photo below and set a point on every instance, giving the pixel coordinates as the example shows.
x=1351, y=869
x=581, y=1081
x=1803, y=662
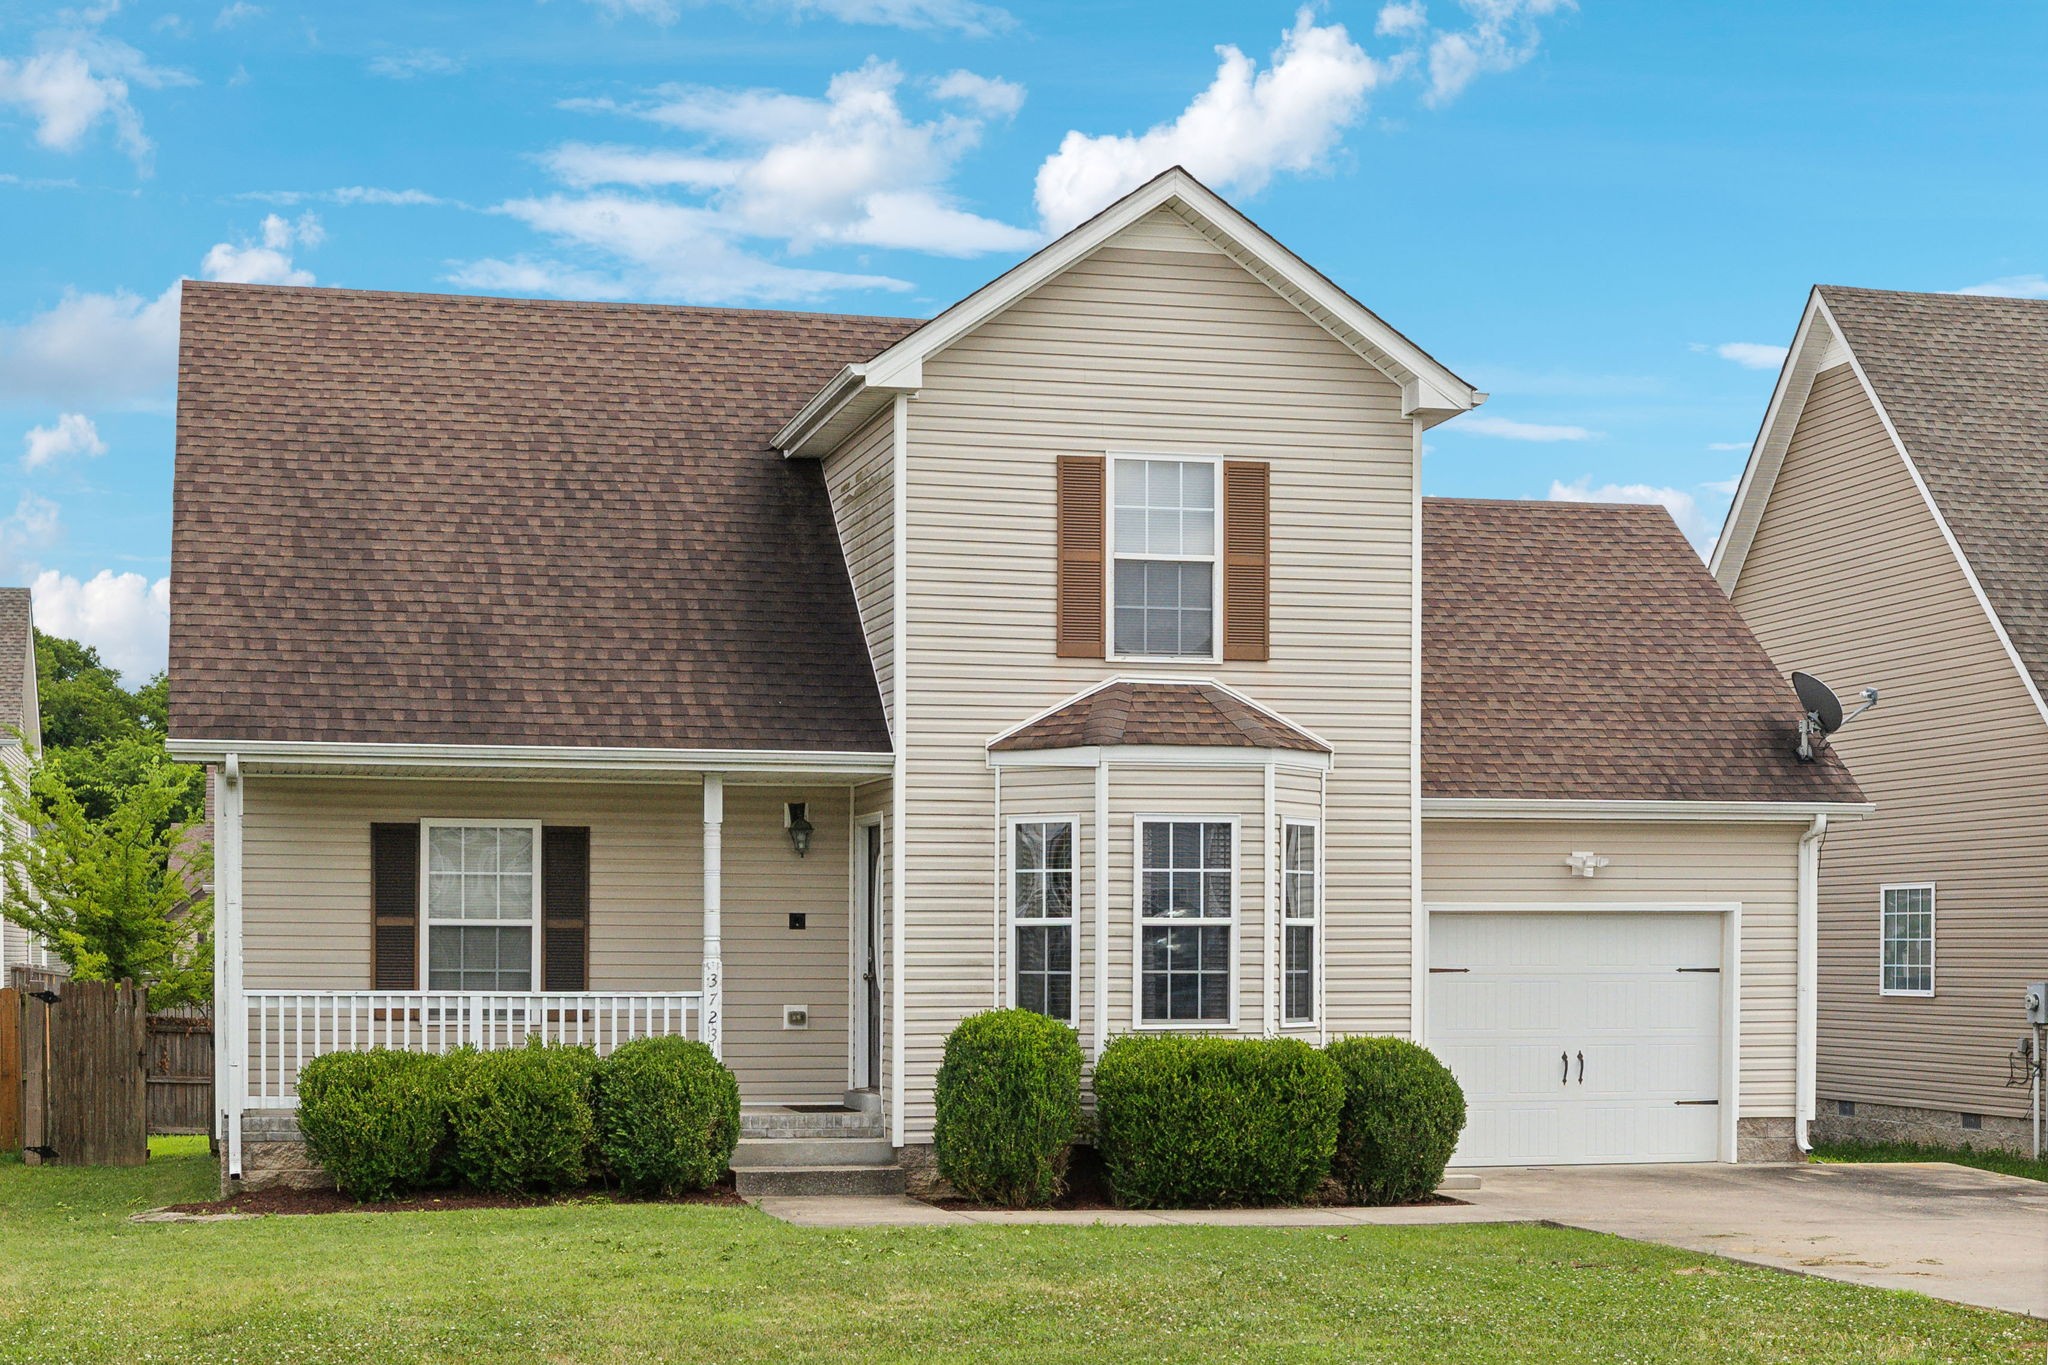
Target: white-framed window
x=1043, y=863
x=1906, y=915
x=1187, y=921
x=482, y=904
x=1165, y=580
x=1301, y=905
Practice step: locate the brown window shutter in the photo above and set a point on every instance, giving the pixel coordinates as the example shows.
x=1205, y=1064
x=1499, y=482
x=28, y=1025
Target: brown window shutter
x=395, y=906
x=1083, y=524
x=1247, y=560
x=565, y=908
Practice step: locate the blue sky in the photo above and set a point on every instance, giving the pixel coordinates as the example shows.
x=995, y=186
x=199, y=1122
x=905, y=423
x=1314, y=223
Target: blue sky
x=1605, y=214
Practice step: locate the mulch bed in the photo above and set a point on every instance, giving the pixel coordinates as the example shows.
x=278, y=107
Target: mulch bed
x=288, y=1201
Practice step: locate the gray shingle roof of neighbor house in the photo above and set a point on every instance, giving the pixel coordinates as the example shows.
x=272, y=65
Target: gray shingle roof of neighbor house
x=1125, y=712
x=1578, y=651
x=17, y=653
x=1964, y=380
x=403, y=518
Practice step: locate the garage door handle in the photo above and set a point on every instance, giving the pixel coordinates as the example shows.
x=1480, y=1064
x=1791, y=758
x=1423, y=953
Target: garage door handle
x=1582, y=1068
x=1566, y=1058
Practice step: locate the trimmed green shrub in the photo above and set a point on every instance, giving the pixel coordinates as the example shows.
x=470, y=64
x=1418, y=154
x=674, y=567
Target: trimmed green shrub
x=1195, y=1122
x=1009, y=1104
x=668, y=1115
x=1403, y=1111
x=376, y=1121
x=520, y=1120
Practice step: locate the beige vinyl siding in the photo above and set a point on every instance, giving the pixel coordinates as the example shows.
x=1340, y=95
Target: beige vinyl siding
x=1850, y=579
x=1755, y=865
x=1139, y=350
x=860, y=478
x=306, y=892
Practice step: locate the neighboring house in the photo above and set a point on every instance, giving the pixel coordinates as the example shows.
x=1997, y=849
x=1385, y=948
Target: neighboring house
x=807, y=683
x=21, y=731
x=1888, y=533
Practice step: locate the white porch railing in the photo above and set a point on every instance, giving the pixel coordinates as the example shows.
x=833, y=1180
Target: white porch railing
x=287, y=1029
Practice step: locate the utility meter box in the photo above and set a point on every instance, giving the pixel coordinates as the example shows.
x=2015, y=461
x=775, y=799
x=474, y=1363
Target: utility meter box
x=2037, y=1004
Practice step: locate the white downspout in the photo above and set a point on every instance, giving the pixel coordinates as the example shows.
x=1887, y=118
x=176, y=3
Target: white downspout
x=231, y=1010
x=714, y=914
x=1806, y=1009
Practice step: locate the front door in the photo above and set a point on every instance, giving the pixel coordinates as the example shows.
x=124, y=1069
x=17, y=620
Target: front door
x=868, y=962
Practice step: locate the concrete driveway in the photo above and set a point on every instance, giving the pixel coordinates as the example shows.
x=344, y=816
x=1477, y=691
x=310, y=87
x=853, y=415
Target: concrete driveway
x=1949, y=1231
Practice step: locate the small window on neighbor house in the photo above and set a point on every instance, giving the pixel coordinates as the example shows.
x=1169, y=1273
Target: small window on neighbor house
x=1185, y=915
x=1163, y=543
x=1908, y=933
x=482, y=905
x=1301, y=902
x=1042, y=916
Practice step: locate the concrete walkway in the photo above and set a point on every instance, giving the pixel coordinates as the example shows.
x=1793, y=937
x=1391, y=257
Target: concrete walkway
x=1952, y=1232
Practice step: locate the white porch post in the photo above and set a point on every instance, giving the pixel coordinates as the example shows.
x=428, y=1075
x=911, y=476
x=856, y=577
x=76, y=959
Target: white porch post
x=231, y=1012
x=714, y=928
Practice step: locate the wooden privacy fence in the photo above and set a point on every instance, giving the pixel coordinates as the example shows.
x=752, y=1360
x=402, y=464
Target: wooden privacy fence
x=181, y=1071
x=83, y=1063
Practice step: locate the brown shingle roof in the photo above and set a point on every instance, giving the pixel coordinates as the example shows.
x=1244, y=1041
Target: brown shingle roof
x=1964, y=380
x=1159, y=713
x=407, y=518
x=1576, y=651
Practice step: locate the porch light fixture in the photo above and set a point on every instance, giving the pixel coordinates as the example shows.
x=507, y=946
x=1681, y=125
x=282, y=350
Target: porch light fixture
x=799, y=828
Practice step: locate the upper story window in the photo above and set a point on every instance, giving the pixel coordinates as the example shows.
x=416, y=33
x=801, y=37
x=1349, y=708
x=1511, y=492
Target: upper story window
x=1907, y=966
x=482, y=906
x=1163, y=537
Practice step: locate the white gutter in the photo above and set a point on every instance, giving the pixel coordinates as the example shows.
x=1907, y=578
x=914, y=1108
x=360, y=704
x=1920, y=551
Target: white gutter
x=1518, y=808
x=1805, y=1013
x=570, y=760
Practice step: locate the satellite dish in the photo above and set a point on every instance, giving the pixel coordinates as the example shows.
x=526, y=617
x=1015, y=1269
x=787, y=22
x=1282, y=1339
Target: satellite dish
x=1819, y=702
x=1821, y=712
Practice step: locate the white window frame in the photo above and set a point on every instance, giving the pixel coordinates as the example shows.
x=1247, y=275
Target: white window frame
x=535, y=977
x=1883, y=937
x=1109, y=649
x=1139, y=923
x=1016, y=921
x=1314, y=919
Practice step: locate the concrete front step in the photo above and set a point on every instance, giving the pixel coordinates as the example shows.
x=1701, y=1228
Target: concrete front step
x=758, y=1182
x=780, y=1121
x=756, y=1152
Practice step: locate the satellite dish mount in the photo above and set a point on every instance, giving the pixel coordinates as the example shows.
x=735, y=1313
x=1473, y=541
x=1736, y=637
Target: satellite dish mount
x=1820, y=713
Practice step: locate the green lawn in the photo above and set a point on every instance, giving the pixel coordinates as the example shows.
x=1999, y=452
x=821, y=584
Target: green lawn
x=628, y=1283
x=1989, y=1159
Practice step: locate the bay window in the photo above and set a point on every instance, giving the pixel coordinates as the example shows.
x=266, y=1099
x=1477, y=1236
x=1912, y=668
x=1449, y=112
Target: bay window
x=1187, y=872
x=1300, y=910
x=1042, y=916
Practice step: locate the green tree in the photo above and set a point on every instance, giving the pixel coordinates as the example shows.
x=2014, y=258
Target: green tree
x=83, y=700
x=117, y=897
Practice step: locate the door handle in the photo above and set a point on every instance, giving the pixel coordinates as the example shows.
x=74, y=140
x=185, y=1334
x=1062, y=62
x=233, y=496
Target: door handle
x=1566, y=1058
x=1582, y=1068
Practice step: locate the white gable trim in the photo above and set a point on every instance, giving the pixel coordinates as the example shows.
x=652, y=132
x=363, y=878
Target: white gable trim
x=1428, y=389
x=1821, y=346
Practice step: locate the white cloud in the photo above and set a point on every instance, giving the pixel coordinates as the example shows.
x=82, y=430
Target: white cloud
x=238, y=12
x=404, y=66
x=1408, y=16
x=1502, y=36
x=1683, y=506
x=1247, y=126
x=2011, y=287
x=1750, y=355
x=1724, y=487
x=116, y=349
x=964, y=16
x=1728, y=445
x=992, y=95
x=76, y=82
x=1508, y=429
x=125, y=616
x=74, y=434
x=667, y=251
x=266, y=260
x=347, y=195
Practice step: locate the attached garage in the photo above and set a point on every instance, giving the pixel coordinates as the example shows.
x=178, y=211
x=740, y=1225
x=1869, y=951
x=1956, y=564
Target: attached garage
x=1585, y=1035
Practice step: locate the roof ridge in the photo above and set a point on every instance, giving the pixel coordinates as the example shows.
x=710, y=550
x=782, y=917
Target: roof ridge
x=621, y=306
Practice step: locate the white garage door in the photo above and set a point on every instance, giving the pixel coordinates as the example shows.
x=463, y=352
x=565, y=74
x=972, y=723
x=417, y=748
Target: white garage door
x=1580, y=1037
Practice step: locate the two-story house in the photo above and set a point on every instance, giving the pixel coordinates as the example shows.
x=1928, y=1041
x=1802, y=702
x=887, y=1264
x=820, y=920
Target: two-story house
x=806, y=683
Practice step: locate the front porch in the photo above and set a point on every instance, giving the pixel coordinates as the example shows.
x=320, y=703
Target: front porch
x=686, y=908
